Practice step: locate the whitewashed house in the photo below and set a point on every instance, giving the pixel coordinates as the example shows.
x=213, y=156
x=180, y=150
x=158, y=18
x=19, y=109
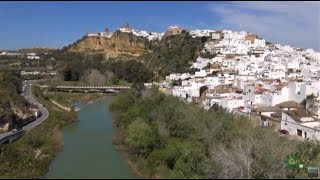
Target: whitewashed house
x=231, y=103
x=301, y=123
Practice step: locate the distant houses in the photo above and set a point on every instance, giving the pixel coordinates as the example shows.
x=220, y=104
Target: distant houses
x=21, y=55
x=249, y=76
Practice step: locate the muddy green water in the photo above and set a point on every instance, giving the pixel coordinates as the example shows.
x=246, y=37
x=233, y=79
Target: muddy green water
x=88, y=151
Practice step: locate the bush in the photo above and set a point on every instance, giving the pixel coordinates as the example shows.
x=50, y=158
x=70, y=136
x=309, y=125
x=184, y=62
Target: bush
x=141, y=138
x=194, y=143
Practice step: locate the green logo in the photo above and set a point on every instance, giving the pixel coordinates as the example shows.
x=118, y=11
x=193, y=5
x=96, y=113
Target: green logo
x=292, y=161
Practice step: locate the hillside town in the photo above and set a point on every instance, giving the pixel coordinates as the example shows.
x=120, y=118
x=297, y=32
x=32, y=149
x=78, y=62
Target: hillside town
x=243, y=74
x=127, y=29
x=248, y=75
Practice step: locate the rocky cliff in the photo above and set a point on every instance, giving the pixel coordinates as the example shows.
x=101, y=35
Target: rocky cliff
x=14, y=108
x=120, y=44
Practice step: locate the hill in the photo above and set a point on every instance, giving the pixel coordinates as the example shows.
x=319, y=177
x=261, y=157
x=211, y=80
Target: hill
x=120, y=44
x=38, y=50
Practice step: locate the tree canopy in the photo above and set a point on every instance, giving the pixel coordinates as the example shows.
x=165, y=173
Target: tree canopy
x=178, y=140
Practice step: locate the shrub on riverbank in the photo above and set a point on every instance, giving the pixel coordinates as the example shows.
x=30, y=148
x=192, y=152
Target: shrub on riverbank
x=167, y=137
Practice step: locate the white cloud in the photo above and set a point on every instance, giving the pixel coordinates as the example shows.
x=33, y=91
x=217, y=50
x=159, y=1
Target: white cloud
x=293, y=23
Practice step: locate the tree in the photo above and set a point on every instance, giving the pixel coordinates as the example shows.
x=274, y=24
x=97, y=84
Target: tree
x=70, y=74
x=109, y=76
x=308, y=98
x=174, y=54
x=190, y=142
x=208, y=66
x=141, y=137
x=235, y=162
x=132, y=71
x=202, y=89
x=95, y=78
x=177, y=82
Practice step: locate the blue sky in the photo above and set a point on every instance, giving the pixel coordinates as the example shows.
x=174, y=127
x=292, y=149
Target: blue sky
x=55, y=24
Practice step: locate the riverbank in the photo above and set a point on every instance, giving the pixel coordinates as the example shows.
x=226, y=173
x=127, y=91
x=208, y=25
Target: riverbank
x=31, y=155
x=68, y=99
x=138, y=166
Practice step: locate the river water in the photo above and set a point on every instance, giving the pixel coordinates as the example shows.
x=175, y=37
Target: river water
x=88, y=151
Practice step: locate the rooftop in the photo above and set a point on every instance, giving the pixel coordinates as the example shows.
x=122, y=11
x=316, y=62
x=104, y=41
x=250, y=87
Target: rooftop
x=290, y=104
x=267, y=109
x=300, y=115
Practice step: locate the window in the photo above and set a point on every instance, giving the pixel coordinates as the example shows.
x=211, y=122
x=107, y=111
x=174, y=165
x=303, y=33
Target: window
x=299, y=132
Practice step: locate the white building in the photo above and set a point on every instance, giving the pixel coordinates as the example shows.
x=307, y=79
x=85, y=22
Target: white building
x=216, y=36
x=179, y=92
x=300, y=123
x=33, y=57
x=231, y=103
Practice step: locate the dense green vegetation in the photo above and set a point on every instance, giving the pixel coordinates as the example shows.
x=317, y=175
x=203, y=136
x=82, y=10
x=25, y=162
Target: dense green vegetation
x=174, y=54
x=131, y=71
x=10, y=89
x=30, y=156
x=111, y=71
x=168, y=138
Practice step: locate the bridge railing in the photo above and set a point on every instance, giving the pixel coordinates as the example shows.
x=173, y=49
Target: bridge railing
x=12, y=137
x=93, y=87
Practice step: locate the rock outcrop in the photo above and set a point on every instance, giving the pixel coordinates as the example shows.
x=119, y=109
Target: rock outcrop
x=120, y=44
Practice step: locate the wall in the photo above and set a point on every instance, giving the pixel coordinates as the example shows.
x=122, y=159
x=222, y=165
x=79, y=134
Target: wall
x=230, y=104
x=179, y=93
x=287, y=123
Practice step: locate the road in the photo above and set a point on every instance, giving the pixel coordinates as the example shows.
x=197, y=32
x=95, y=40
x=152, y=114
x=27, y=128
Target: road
x=44, y=112
x=27, y=94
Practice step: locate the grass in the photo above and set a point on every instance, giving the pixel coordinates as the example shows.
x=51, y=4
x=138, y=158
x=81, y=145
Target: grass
x=67, y=99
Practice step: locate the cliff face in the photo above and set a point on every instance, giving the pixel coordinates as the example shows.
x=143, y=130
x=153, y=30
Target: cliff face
x=119, y=45
x=13, y=114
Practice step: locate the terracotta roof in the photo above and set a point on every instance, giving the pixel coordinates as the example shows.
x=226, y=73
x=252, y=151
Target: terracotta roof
x=267, y=109
x=209, y=91
x=266, y=80
x=215, y=66
x=297, y=114
x=223, y=89
x=290, y=104
x=277, y=114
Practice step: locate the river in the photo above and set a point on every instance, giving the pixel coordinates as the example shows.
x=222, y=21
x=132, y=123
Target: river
x=88, y=151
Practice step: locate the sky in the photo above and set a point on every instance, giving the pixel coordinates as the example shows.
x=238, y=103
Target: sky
x=56, y=24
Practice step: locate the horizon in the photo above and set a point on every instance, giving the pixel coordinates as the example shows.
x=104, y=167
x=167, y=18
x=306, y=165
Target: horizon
x=57, y=24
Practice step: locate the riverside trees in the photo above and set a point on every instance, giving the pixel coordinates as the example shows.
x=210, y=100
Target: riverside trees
x=176, y=140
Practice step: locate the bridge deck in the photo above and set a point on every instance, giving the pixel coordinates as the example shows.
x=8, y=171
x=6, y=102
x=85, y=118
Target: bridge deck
x=94, y=87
